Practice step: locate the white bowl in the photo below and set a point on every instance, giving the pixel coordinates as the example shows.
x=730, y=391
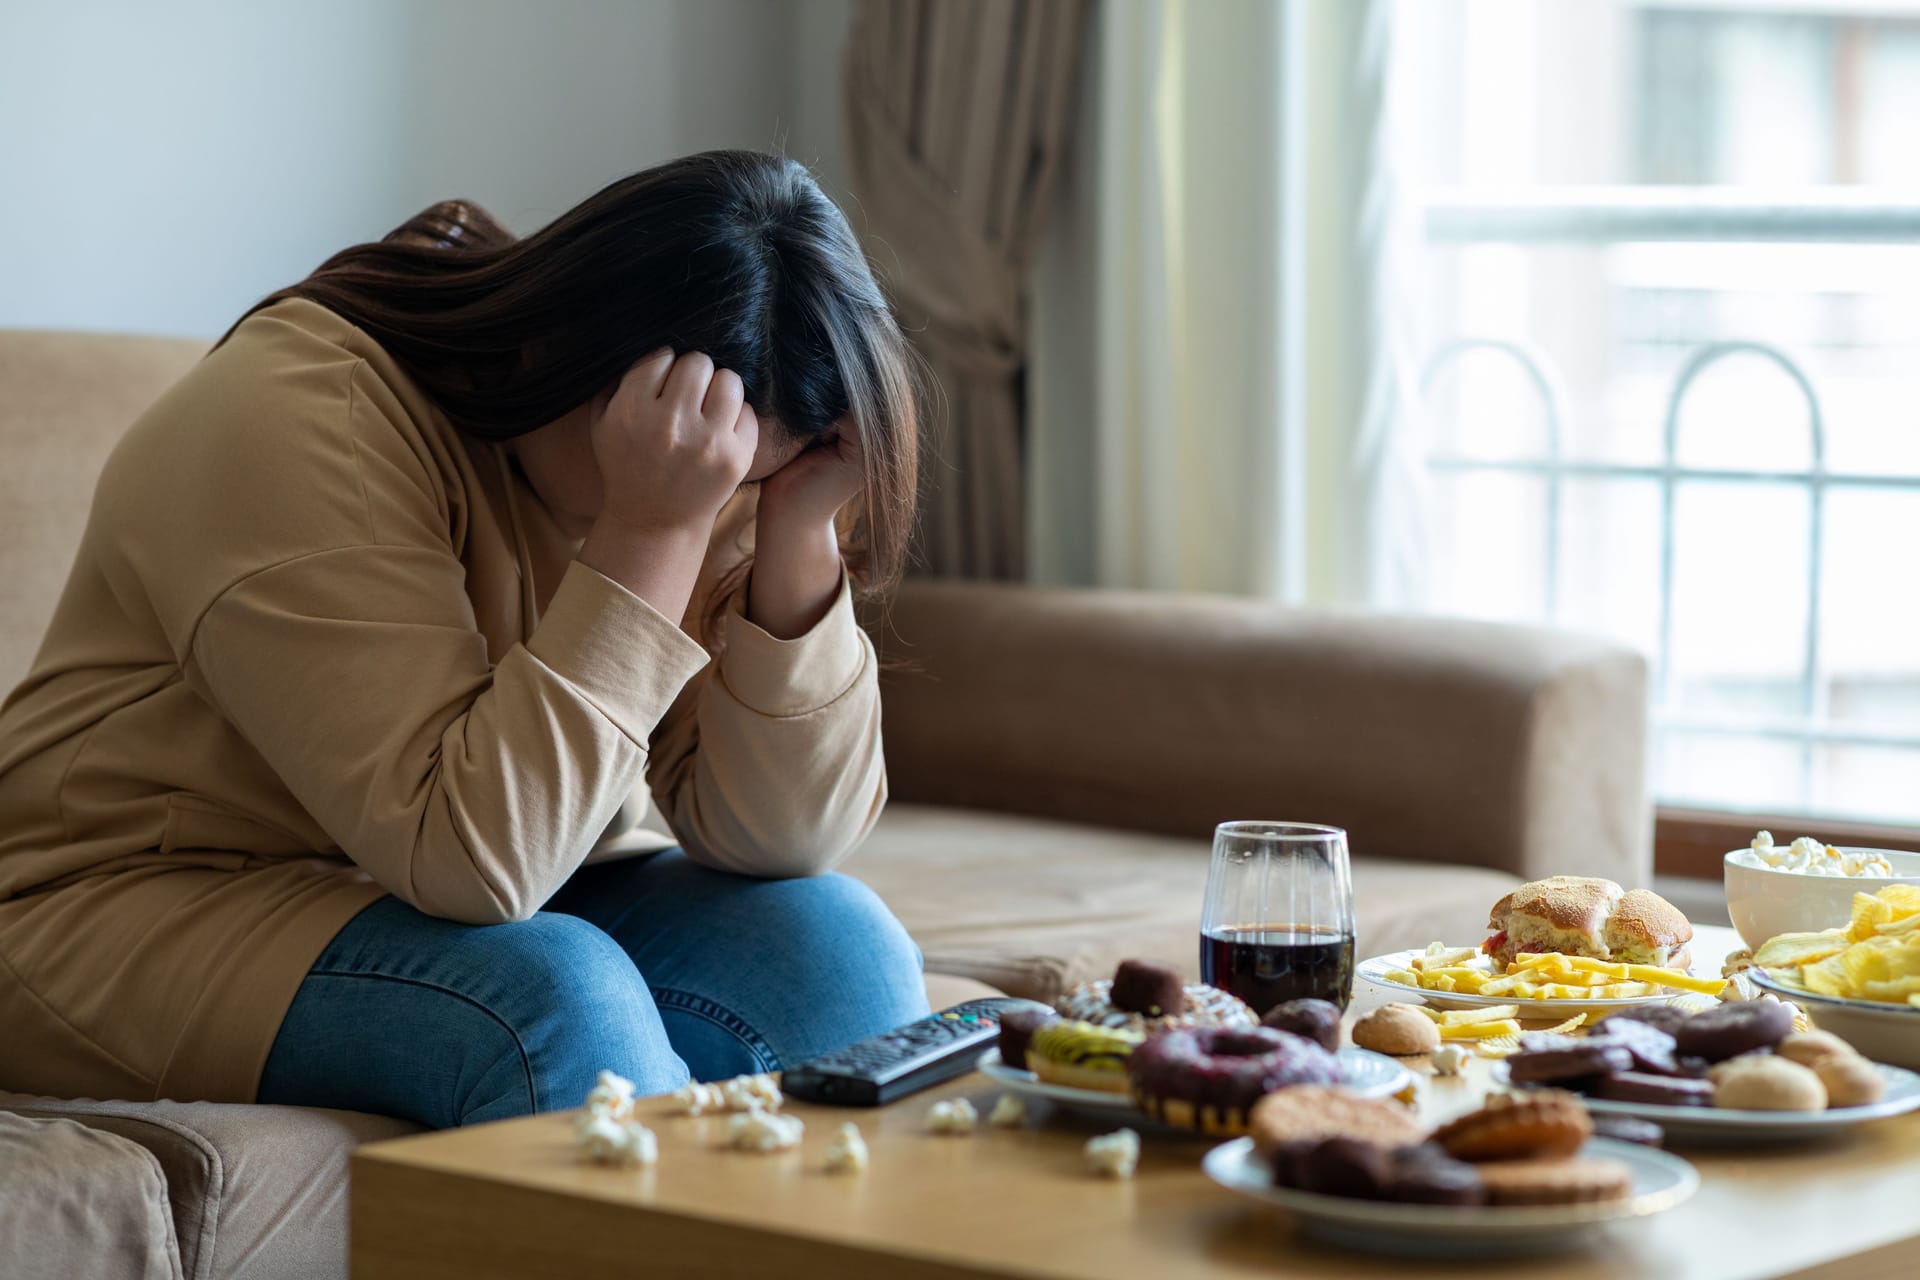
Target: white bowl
x=1765, y=902
x=1882, y=1032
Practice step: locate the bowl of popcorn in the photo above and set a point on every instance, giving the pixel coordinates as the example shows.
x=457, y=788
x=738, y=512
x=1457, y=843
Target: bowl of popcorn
x=1805, y=886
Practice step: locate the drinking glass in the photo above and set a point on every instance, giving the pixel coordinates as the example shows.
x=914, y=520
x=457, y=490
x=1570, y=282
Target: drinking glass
x=1278, y=924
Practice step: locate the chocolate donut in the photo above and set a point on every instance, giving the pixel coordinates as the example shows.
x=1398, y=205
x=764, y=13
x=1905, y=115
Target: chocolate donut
x=1733, y=1029
x=1143, y=986
x=1317, y=1020
x=1208, y=1078
x=1016, y=1032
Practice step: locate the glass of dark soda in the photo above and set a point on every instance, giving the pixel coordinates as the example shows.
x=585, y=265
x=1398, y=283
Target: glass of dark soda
x=1278, y=922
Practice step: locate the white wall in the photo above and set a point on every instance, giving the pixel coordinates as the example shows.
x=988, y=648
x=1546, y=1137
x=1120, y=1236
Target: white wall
x=163, y=165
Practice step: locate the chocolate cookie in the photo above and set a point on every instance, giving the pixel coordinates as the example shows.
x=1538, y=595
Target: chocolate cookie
x=1317, y=1020
x=1629, y=1129
x=1663, y=1016
x=1545, y=1059
x=1148, y=987
x=1556, y=1181
x=1350, y=1167
x=1664, y=1091
x=1426, y=1174
x=1733, y=1029
x=1653, y=1050
x=1016, y=1031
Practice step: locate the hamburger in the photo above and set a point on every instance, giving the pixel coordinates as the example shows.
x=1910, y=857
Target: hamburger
x=1588, y=916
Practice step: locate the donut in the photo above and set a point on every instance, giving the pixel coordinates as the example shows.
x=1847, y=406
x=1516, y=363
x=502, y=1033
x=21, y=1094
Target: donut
x=1082, y=1056
x=1663, y=1016
x=1397, y=1029
x=1652, y=1049
x=1537, y=1126
x=1317, y=1020
x=1146, y=987
x=1016, y=1032
x=1201, y=1006
x=1733, y=1029
x=1208, y=1078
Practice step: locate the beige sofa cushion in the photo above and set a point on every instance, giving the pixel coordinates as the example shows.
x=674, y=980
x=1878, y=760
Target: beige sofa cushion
x=77, y=1201
x=1032, y=905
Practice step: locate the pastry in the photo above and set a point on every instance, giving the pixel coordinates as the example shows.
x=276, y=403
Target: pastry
x=1426, y=1174
x=1148, y=987
x=1397, y=1029
x=1535, y=1126
x=1311, y=1113
x=1082, y=1055
x=1201, y=1006
x=1632, y=1129
x=1767, y=1082
x=1016, y=1031
x=1555, y=1181
x=1850, y=1080
x=1351, y=1167
x=1808, y=1047
x=1208, y=1078
x=1317, y=1020
x=1549, y=1059
x=1588, y=916
x=1733, y=1029
x=1660, y=1091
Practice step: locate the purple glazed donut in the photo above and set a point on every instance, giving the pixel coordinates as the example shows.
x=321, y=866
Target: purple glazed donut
x=1208, y=1078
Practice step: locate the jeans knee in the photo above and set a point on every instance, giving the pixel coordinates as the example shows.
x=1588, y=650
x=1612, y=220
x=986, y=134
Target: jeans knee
x=838, y=913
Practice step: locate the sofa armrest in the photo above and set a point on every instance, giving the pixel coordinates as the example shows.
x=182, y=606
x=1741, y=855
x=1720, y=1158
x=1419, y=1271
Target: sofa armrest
x=1434, y=739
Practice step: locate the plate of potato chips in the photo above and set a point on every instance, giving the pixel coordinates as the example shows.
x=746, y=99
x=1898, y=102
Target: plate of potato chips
x=1537, y=985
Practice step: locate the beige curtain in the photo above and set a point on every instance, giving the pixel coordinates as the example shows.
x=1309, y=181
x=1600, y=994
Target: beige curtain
x=956, y=112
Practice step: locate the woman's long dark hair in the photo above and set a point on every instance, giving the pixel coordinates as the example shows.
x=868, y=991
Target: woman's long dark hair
x=732, y=253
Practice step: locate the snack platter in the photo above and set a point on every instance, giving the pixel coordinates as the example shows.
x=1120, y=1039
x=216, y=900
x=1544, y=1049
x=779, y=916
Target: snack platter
x=1660, y=1182
x=1719, y=1124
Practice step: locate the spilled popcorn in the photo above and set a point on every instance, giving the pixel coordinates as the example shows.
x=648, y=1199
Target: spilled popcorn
x=611, y=1095
x=694, y=1098
x=751, y=1093
x=1448, y=1059
x=848, y=1151
x=954, y=1116
x=1113, y=1155
x=1010, y=1112
x=757, y=1130
x=623, y=1143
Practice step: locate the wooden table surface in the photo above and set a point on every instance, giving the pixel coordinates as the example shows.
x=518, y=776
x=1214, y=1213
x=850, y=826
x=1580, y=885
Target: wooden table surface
x=513, y=1199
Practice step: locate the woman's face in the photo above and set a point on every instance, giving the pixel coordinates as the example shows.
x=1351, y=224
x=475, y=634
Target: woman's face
x=559, y=463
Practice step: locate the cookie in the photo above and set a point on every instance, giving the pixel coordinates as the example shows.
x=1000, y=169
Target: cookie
x=1317, y=1020
x=1850, y=1080
x=1548, y=1059
x=1536, y=1126
x=1661, y=1091
x=1767, y=1082
x=1733, y=1029
x=1349, y=1167
x=1312, y=1113
x=1808, y=1047
x=1426, y=1174
x=1653, y=1050
x=1632, y=1129
x=1663, y=1016
x=1555, y=1181
x=1399, y=1030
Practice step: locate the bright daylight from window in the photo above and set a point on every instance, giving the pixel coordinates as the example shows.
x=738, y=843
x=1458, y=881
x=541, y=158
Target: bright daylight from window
x=1763, y=554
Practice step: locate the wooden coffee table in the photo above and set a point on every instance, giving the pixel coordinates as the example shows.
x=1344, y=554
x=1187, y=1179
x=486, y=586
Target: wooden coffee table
x=513, y=1199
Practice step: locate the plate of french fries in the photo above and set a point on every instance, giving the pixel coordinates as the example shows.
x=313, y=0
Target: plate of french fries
x=1545, y=984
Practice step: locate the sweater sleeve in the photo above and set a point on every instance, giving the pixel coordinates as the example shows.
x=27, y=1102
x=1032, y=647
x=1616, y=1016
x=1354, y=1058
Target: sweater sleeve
x=771, y=763
x=359, y=676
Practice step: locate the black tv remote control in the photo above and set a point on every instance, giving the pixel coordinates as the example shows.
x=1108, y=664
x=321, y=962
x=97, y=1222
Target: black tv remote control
x=888, y=1067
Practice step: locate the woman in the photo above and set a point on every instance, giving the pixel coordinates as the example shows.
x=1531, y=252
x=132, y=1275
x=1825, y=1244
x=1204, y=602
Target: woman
x=316, y=792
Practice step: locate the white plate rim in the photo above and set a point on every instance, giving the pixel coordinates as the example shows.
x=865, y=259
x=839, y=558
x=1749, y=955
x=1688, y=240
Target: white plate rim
x=1731, y=1121
x=1026, y=1082
x=1482, y=1220
x=1373, y=970
x=1764, y=978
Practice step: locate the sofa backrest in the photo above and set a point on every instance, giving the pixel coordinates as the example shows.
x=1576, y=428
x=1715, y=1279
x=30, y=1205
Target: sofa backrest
x=65, y=398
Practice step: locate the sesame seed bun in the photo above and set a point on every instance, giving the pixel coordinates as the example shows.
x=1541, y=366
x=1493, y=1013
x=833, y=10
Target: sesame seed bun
x=1590, y=916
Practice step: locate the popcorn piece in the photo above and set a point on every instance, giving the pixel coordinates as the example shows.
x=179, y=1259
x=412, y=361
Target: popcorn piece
x=758, y=1130
x=694, y=1098
x=1113, y=1155
x=955, y=1116
x=751, y=1093
x=848, y=1151
x=623, y=1143
x=1448, y=1059
x=611, y=1095
x=1010, y=1112
x=1810, y=857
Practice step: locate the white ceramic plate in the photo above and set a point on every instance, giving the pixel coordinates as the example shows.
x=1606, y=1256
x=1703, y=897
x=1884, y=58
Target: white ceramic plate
x=1376, y=970
x=1883, y=1032
x=1660, y=1181
x=1371, y=1075
x=1718, y=1125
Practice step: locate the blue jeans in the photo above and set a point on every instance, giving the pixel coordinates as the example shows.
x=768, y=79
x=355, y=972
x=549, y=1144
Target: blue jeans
x=653, y=967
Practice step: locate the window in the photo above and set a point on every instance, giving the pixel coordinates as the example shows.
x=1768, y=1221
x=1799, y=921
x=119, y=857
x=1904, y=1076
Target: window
x=1670, y=303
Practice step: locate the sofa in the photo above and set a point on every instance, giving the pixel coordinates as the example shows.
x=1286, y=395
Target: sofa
x=1057, y=759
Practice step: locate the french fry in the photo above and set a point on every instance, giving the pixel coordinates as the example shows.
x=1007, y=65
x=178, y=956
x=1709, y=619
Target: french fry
x=1501, y=986
x=1467, y=1017
x=1403, y=977
x=1480, y=1030
x=1673, y=978
x=1438, y=982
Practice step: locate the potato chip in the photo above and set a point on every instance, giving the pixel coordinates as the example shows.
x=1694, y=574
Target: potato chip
x=1492, y=1013
x=1868, y=912
x=1571, y=1024
x=1790, y=950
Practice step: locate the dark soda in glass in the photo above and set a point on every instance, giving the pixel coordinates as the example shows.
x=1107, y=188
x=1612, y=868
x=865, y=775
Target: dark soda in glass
x=1270, y=964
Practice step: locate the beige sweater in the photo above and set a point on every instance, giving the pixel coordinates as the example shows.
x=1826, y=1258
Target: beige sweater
x=317, y=647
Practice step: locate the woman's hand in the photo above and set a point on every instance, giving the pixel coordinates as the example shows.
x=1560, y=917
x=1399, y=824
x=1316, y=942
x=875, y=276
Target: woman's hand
x=797, y=567
x=672, y=445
